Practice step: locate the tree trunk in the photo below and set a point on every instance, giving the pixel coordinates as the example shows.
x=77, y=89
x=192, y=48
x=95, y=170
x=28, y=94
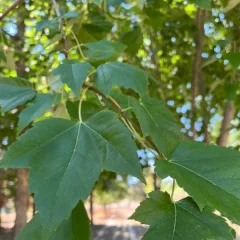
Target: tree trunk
x=22, y=196
x=197, y=67
x=21, y=200
x=91, y=208
x=2, y=197
x=229, y=112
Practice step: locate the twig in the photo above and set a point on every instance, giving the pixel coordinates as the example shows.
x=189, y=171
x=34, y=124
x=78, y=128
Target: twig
x=80, y=104
x=16, y=4
x=65, y=52
x=121, y=113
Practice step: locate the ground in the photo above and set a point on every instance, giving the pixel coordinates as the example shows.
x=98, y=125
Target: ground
x=109, y=223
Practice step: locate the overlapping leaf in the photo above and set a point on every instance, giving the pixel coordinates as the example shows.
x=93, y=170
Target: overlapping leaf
x=76, y=227
x=15, y=91
x=66, y=153
x=35, y=109
x=121, y=74
x=210, y=174
x=158, y=122
x=179, y=221
x=133, y=39
x=103, y=50
x=73, y=74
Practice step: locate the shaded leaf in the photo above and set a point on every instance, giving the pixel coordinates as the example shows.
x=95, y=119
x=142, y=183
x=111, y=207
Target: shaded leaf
x=76, y=227
x=42, y=24
x=210, y=174
x=104, y=50
x=73, y=14
x=206, y=4
x=3, y=57
x=35, y=109
x=83, y=151
x=95, y=31
x=115, y=2
x=179, y=221
x=157, y=121
x=61, y=111
x=73, y=74
x=234, y=59
x=98, y=2
x=15, y=91
x=88, y=109
x=80, y=223
x=115, y=73
x=133, y=40
x=120, y=98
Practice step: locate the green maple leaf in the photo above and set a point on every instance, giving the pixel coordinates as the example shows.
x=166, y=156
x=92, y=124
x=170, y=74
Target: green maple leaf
x=104, y=50
x=66, y=159
x=121, y=74
x=15, y=91
x=35, y=109
x=210, y=174
x=157, y=121
x=76, y=227
x=73, y=74
x=180, y=220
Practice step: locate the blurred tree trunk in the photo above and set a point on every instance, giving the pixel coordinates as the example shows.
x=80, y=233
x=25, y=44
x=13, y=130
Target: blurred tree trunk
x=2, y=198
x=21, y=200
x=22, y=196
x=91, y=208
x=228, y=115
x=197, y=62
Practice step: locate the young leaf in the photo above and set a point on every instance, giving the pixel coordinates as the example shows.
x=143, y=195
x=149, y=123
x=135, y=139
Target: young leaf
x=121, y=74
x=73, y=74
x=76, y=227
x=210, y=174
x=83, y=150
x=35, y=109
x=15, y=91
x=103, y=50
x=179, y=221
x=158, y=122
